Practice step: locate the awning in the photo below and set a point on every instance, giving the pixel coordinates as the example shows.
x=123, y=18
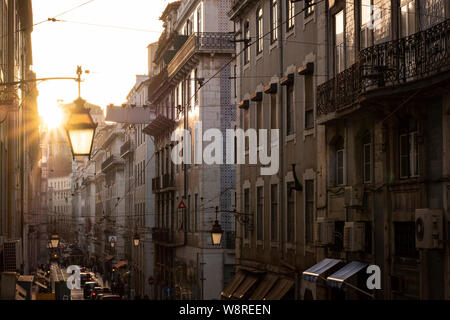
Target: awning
x=249, y=281
x=280, y=290
x=338, y=278
x=120, y=264
x=41, y=285
x=233, y=285
x=264, y=287
x=105, y=258
x=313, y=273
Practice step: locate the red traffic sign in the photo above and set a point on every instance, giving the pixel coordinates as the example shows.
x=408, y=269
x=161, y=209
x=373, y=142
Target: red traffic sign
x=181, y=205
x=151, y=281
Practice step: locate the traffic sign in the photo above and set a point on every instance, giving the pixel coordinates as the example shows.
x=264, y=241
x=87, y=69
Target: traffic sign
x=181, y=205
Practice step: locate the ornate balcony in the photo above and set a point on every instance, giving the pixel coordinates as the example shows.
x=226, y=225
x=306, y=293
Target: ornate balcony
x=126, y=149
x=111, y=162
x=168, y=181
x=388, y=65
x=156, y=184
x=168, y=238
x=202, y=42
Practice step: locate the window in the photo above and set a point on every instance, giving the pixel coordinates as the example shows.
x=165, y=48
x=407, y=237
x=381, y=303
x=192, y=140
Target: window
x=366, y=23
x=259, y=31
x=409, y=151
x=405, y=240
x=309, y=102
x=309, y=8
x=246, y=210
x=367, y=161
x=309, y=211
x=339, y=61
x=339, y=176
x=290, y=12
x=199, y=19
x=259, y=117
x=274, y=212
x=290, y=117
x=246, y=40
x=290, y=211
x=274, y=21
x=259, y=212
x=273, y=111
x=408, y=18
x=196, y=212
x=188, y=211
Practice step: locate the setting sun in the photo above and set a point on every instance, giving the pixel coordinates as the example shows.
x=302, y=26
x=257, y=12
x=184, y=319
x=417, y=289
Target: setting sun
x=52, y=115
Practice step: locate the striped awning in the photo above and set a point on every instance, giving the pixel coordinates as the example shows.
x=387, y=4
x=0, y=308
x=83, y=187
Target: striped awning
x=280, y=289
x=313, y=273
x=233, y=285
x=264, y=287
x=337, y=279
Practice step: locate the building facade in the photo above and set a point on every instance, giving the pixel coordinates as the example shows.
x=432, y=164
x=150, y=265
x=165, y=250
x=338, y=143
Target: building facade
x=275, y=76
x=383, y=115
x=194, y=45
x=20, y=224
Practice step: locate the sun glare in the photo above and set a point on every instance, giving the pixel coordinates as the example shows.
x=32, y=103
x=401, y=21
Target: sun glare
x=52, y=117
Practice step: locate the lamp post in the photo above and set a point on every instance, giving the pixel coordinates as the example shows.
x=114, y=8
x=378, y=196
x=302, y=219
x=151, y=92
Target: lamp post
x=216, y=231
x=54, y=241
x=136, y=240
x=80, y=127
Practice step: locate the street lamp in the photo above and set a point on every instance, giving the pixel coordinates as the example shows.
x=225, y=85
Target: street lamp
x=136, y=240
x=112, y=243
x=54, y=241
x=80, y=129
x=216, y=231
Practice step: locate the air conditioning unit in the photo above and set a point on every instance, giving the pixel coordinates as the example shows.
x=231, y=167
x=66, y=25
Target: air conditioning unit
x=354, y=236
x=324, y=232
x=354, y=196
x=12, y=255
x=429, y=229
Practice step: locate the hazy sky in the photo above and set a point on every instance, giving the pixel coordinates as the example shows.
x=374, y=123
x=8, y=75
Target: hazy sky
x=114, y=56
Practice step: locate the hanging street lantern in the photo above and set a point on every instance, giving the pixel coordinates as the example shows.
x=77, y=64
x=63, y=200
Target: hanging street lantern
x=112, y=243
x=216, y=231
x=54, y=241
x=136, y=240
x=80, y=129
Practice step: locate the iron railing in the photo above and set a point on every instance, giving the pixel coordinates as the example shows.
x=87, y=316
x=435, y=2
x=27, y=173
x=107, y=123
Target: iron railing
x=201, y=42
x=126, y=148
x=388, y=64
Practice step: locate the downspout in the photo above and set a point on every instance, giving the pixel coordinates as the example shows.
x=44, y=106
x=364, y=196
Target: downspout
x=281, y=128
x=10, y=65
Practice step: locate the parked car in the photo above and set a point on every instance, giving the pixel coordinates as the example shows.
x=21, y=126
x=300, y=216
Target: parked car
x=88, y=286
x=85, y=277
x=97, y=292
x=110, y=297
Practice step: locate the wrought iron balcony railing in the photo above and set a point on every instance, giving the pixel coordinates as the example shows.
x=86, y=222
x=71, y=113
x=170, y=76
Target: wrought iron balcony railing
x=416, y=57
x=168, y=181
x=156, y=184
x=208, y=42
x=126, y=149
x=110, y=162
x=167, y=237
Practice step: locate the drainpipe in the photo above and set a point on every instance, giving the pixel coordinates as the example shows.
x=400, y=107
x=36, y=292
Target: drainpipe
x=281, y=128
x=11, y=125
